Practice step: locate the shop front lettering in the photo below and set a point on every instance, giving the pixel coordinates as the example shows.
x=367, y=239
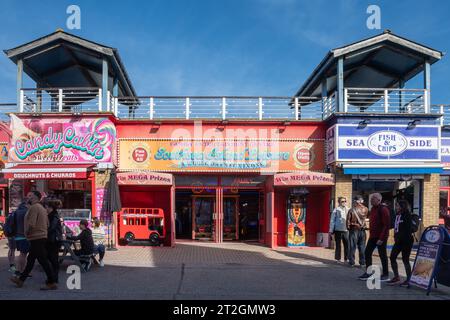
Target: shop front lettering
x=217, y=154
x=56, y=141
x=420, y=143
x=387, y=143
x=144, y=178
x=47, y=175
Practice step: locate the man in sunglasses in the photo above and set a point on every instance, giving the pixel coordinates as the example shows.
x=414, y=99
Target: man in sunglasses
x=338, y=228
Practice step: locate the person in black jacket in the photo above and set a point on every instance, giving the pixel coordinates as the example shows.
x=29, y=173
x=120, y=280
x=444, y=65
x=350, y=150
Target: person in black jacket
x=404, y=241
x=85, y=238
x=54, y=235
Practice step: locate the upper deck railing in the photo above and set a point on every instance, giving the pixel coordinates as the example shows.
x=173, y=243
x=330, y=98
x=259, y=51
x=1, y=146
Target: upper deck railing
x=224, y=108
x=356, y=100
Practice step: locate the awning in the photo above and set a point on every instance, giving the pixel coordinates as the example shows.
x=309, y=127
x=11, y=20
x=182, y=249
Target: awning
x=404, y=168
x=48, y=171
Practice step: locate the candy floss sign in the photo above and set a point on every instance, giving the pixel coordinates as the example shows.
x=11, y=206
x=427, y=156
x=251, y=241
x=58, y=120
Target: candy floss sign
x=61, y=140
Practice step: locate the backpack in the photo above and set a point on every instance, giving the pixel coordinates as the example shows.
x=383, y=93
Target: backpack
x=9, y=228
x=415, y=223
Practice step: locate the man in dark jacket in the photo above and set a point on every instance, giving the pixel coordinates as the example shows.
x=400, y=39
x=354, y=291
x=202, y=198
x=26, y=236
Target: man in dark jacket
x=54, y=236
x=85, y=238
x=379, y=220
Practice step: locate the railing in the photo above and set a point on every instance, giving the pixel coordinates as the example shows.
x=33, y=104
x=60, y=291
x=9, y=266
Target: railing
x=443, y=109
x=225, y=108
x=371, y=100
x=6, y=108
x=74, y=100
x=356, y=100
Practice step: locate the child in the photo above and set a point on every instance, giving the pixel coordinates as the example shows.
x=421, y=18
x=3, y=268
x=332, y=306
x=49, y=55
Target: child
x=98, y=235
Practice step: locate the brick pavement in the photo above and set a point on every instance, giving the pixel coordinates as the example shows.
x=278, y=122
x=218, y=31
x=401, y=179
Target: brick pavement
x=197, y=270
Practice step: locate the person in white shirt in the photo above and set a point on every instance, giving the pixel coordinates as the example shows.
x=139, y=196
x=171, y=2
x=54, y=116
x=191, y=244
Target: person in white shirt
x=99, y=236
x=338, y=228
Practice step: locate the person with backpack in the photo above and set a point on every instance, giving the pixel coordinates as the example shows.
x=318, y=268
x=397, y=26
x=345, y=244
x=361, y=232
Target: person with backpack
x=9, y=232
x=405, y=225
x=22, y=244
x=338, y=228
x=356, y=225
x=36, y=230
x=55, y=234
x=379, y=223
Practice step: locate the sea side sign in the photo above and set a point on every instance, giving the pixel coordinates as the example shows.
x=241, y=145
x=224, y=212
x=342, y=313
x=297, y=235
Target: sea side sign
x=445, y=151
x=385, y=143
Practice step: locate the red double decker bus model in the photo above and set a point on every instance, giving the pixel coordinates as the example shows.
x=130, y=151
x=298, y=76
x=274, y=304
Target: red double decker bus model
x=141, y=224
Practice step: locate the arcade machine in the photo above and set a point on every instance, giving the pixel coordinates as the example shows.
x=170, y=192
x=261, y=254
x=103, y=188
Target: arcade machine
x=296, y=217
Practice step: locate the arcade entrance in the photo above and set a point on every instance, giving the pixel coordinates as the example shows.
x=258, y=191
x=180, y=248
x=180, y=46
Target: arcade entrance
x=219, y=213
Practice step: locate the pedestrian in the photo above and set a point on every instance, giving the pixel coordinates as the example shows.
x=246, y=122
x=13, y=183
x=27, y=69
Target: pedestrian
x=21, y=242
x=35, y=229
x=356, y=225
x=446, y=216
x=338, y=228
x=85, y=238
x=99, y=237
x=12, y=254
x=379, y=222
x=404, y=240
x=55, y=233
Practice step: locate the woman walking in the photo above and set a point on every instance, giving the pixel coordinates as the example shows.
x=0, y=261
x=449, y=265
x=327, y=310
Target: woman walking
x=54, y=234
x=404, y=241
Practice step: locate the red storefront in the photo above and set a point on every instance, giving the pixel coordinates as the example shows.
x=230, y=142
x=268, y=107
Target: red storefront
x=67, y=157
x=228, y=182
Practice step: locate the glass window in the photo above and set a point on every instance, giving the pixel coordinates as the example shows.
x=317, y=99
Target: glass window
x=445, y=181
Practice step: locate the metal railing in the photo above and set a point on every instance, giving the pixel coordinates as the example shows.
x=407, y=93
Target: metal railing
x=5, y=109
x=356, y=100
x=443, y=109
x=224, y=108
x=74, y=100
x=381, y=100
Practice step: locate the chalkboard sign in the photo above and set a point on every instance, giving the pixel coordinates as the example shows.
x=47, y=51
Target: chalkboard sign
x=428, y=257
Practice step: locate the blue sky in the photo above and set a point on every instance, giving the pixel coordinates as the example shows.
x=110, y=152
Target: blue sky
x=228, y=47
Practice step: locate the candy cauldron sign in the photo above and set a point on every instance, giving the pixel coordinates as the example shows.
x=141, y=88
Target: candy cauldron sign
x=62, y=140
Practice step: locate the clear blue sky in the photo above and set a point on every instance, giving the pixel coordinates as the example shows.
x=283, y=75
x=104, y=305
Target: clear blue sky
x=227, y=47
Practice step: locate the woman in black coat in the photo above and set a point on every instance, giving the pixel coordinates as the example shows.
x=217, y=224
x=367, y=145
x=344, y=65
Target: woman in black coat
x=54, y=235
x=404, y=241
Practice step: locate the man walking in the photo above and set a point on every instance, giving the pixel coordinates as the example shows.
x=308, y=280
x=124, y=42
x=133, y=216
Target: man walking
x=356, y=225
x=379, y=220
x=338, y=228
x=35, y=227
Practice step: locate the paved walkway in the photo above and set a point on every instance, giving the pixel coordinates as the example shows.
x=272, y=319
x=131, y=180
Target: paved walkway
x=197, y=270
